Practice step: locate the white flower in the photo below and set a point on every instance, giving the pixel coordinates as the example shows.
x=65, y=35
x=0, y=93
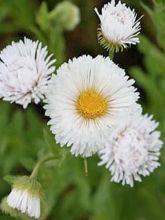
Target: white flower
x=25, y=69
x=119, y=26
x=25, y=197
x=86, y=97
x=133, y=150
x=24, y=202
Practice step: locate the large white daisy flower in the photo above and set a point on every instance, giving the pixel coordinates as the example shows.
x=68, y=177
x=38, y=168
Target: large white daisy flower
x=119, y=26
x=26, y=197
x=25, y=68
x=132, y=150
x=84, y=99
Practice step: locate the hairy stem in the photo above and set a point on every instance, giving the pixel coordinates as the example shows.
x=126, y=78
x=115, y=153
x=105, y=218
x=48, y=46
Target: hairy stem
x=111, y=54
x=39, y=164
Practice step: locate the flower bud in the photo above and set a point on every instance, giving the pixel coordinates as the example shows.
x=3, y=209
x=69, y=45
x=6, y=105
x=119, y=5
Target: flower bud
x=119, y=26
x=66, y=14
x=25, y=196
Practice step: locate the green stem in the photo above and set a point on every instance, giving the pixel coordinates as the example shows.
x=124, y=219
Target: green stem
x=38, y=165
x=86, y=166
x=111, y=54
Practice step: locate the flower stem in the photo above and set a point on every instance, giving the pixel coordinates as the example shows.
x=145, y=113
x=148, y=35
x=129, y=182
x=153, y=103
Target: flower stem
x=86, y=166
x=38, y=165
x=111, y=54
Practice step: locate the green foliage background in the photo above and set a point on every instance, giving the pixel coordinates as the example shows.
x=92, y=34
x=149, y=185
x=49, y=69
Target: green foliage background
x=24, y=136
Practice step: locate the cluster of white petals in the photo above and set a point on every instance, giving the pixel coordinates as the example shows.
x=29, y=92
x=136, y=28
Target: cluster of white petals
x=91, y=102
x=119, y=26
x=25, y=69
x=84, y=130
x=132, y=150
x=24, y=202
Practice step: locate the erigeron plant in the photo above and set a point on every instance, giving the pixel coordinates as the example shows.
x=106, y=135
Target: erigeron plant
x=91, y=104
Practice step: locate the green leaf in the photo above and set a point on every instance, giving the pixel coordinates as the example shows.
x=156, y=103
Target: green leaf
x=10, y=179
x=42, y=17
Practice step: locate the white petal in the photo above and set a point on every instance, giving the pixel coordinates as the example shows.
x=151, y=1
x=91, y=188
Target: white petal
x=24, y=202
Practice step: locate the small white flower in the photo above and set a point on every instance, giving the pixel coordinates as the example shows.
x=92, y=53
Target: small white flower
x=25, y=69
x=25, y=197
x=24, y=202
x=119, y=26
x=132, y=150
x=86, y=97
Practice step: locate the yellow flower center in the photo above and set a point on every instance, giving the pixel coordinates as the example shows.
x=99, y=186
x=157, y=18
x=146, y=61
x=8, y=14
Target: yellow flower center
x=90, y=104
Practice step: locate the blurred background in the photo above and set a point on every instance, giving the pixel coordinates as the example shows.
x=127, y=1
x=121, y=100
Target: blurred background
x=24, y=136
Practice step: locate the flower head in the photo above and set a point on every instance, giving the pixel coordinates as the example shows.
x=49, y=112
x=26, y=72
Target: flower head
x=119, y=26
x=25, y=69
x=86, y=97
x=132, y=150
x=26, y=196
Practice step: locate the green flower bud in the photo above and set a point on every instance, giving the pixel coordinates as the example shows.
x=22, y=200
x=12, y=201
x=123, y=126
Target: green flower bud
x=65, y=14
